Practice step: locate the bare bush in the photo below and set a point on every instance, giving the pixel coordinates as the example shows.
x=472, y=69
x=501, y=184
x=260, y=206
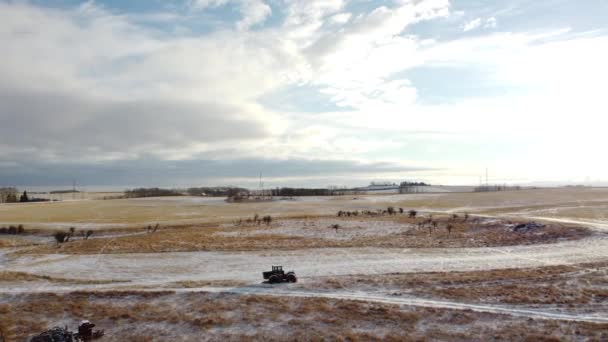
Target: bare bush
x=61, y=237
x=412, y=213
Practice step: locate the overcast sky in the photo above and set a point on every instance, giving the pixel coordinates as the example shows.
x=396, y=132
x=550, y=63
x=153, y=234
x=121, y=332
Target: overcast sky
x=309, y=92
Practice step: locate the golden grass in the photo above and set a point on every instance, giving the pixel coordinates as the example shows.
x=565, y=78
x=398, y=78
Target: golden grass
x=7, y=243
x=174, y=211
x=205, y=283
x=583, y=284
x=12, y=276
x=137, y=316
x=206, y=238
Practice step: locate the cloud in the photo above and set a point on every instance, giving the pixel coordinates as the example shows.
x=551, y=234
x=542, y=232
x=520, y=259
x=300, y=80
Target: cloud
x=155, y=172
x=93, y=85
x=62, y=126
x=491, y=23
x=341, y=18
x=472, y=25
x=253, y=11
x=130, y=93
x=353, y=63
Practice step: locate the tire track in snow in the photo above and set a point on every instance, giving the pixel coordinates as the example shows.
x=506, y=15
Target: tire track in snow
x=428, y=303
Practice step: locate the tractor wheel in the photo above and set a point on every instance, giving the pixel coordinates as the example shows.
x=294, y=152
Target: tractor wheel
x=291, y=278
x=274, y=279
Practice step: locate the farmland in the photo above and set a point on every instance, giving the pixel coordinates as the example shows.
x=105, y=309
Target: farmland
x=456, y=268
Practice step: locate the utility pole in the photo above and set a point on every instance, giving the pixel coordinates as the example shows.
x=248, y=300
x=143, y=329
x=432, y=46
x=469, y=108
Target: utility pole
x=486, y=177
x=261, y=186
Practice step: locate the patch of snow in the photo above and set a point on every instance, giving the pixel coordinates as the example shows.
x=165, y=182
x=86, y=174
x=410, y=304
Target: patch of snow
x=322, y=228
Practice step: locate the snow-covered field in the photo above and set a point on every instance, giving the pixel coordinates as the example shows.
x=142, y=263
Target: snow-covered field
x=162, y=268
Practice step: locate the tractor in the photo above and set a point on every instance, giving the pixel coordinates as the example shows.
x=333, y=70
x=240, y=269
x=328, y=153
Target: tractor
x=277, y=275
x=85, y=333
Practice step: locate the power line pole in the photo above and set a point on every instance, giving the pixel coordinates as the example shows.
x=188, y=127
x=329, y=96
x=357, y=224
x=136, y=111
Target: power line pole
x=486, y=177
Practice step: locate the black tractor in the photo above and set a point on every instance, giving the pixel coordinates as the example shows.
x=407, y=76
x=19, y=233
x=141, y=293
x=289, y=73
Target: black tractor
x=85, y=334
x=277, y=275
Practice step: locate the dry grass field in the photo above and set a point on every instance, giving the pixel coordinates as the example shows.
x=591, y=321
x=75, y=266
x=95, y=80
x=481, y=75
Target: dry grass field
x=361, y=278
x=588, y=203
x=317, y=233
x=167, y=316
x=583, y=286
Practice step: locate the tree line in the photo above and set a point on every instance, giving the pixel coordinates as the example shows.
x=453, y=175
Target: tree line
x=290, y=192
x=151, y=192
x=216, y=191
x=10, y=195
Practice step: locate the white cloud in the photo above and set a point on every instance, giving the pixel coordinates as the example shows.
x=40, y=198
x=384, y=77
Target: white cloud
x=472, y=25
x=491, y=23
x=254, y=12
x=341, y=18
x=476, y=23
x=352, y=63
x=90, y=85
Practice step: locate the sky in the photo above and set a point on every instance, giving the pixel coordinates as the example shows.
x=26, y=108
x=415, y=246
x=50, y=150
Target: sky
x=307, y=92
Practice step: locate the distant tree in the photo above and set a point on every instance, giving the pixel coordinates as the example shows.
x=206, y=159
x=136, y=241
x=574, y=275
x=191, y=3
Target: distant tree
x=8, y=195
x=24, y=197
x=11, y=198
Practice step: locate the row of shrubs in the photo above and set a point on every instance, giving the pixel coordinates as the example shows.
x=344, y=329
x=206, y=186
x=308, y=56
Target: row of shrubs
x=257, y=219
x=378, y=212
x=13, y=230
x=62, y=237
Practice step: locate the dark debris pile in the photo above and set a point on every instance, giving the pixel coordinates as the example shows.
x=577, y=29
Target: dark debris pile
x=526, y=227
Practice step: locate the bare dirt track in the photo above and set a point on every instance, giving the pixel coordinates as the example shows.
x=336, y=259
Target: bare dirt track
x=155, y=267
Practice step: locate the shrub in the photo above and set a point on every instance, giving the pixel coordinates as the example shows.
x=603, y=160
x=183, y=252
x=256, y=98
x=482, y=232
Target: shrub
x=61, y=237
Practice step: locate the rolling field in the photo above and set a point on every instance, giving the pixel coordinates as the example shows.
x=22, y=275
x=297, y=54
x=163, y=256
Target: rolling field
x=364, y=277
x=576, y=203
